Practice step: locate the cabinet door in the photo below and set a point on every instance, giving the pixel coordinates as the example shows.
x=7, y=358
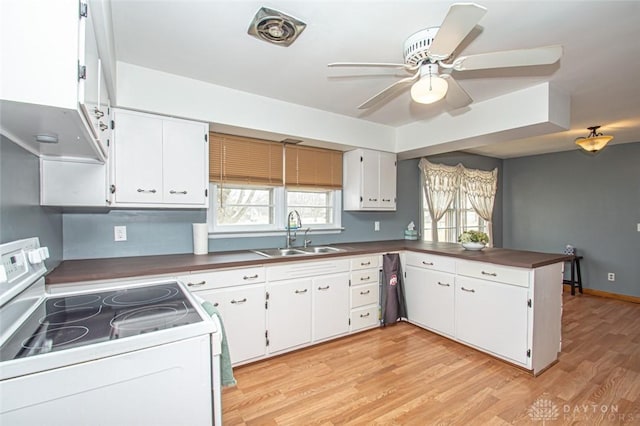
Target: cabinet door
x=330, y=306
x=370, y=176
x=388, y=177
x=138, y=158
x=243, y=313
x=430, y=297
x=492, y=316
x=185, y=158
x=289, y=314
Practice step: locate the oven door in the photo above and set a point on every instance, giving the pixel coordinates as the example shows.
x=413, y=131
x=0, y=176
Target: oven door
x=165, y=384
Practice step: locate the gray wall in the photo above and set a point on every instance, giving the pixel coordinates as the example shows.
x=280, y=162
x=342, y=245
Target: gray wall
x=479, y=162
x=150, y=232
x=20, y=213
x=589, y=201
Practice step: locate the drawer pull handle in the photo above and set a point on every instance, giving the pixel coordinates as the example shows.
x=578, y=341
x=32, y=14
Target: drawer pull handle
x=373, y=199
x=239, y=301
x=444, y=284
x=216, y=304
x=427, y=263
x=364, y=278
x=468, y=290
x=491, y=274
x=324, y=288
x=152, y=191
x=301, y=291
x=386, y=200
x=365, y=292
x=201, y=283
x=178, y=192
x=250, y=277
x=364, y=315
x=365, y=263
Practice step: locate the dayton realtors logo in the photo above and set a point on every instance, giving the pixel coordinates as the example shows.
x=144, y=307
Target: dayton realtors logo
x=544, y=410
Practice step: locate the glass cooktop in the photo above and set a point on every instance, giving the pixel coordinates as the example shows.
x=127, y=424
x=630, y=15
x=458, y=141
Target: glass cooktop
x=64, y=322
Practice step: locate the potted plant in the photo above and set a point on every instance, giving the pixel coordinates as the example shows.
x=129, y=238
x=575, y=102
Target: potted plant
x=473, y=240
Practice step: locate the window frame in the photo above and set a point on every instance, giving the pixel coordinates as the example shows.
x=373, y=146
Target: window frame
x=281, y=211
x=453, y=210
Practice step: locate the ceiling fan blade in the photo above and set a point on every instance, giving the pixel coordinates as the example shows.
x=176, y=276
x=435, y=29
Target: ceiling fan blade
x=458, y=23
x=456, y=96
x=509, y=58
x=389, y=91
x=373, y=65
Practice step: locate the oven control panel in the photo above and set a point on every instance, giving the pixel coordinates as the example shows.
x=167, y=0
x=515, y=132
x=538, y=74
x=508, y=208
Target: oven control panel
x=21, y=263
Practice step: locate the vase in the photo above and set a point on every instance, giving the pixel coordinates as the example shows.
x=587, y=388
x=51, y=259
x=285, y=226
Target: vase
x=473, y=246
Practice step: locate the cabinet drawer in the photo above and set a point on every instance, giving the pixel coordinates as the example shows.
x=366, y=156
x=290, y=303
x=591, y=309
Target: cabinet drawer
x=430, y=261
x=365, y=262
x=225, y=278
x=363, y=295
x=364, y=317
x=365, y=276
x=491, y=272
x=291, y=270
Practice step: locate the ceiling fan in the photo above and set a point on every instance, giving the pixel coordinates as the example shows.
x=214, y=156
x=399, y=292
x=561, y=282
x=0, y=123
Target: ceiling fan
x=429, y=57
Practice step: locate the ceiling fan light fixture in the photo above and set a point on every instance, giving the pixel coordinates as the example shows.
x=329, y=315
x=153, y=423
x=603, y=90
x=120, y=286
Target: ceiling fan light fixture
x=430, y=88
x=595, y=141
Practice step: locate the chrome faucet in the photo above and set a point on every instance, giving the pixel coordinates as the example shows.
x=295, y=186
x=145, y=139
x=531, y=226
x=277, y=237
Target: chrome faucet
x=306, y=240
x=298, y=224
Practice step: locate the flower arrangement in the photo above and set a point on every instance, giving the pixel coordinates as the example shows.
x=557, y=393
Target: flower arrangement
x=473, y=237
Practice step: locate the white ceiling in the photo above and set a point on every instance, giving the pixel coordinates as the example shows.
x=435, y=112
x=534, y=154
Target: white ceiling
x=208, y=41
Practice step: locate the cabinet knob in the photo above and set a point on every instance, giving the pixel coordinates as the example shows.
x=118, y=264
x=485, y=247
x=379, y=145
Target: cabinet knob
x=239, y=301
x=178, y=192
x=146, y=191
x=468, y=290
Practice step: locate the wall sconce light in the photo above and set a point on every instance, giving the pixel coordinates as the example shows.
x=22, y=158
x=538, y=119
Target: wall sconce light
x=595, y=141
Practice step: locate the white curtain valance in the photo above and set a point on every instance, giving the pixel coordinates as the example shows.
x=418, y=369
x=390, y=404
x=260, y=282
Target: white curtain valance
x=441, y=182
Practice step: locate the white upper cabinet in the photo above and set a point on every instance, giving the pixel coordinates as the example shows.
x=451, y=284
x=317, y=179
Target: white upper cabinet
x=369, y=180
x=159, y=161
x=51, y=81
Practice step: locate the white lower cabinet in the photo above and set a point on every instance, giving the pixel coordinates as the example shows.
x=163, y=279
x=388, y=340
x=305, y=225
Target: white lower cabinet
x=288, y=314
x=430, y=299
x=330, y=306
x=493, y=316
x=243, y=313
x=365, y=292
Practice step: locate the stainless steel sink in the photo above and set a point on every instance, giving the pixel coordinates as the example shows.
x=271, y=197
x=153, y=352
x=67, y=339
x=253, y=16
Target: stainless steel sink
x=278, y=252
x=322, y=249
x=285, y=252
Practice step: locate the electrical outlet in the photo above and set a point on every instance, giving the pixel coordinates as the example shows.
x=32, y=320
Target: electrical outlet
x=119, y=233
x=376, y=226
x=611, y=276
x=639, y=227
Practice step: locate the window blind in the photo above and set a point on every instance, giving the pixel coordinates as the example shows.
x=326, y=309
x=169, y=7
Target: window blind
x=237, y=159
x=313, y=167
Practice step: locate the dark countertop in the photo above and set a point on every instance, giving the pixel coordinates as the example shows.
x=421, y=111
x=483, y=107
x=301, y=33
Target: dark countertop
x=70, y=271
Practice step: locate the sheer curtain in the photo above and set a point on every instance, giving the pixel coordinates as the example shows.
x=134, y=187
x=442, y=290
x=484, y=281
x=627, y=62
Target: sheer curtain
x=480, y=187
x=441, y=183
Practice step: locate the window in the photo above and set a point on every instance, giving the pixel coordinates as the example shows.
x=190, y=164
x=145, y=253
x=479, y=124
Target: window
x=459, y=217
x=317, y=208
x=250, y=196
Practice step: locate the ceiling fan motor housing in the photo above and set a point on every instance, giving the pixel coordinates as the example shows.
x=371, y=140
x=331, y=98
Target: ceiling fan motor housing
x=417, y=46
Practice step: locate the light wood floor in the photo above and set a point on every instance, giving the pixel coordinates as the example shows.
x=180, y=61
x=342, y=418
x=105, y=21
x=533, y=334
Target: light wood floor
x=405, y=375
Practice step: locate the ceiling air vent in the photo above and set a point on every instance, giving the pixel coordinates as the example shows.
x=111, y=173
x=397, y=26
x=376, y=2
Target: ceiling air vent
x=275, y=27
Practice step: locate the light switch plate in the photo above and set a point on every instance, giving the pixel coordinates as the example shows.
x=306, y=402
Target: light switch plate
x=376, y=226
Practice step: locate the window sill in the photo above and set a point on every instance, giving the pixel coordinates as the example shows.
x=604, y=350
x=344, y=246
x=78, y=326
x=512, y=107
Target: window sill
x=270, y=233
